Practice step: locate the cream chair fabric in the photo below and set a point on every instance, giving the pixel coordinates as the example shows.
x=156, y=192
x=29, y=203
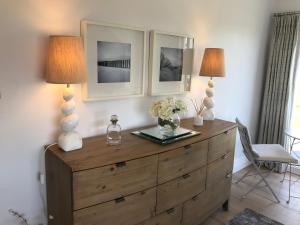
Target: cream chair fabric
x=273, y=152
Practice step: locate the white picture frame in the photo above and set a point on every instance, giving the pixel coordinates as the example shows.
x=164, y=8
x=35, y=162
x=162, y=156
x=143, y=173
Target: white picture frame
x=94, y=32
x=158, y=40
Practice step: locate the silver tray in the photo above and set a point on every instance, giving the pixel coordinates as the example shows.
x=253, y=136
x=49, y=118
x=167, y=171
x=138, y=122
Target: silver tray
x=153, y=134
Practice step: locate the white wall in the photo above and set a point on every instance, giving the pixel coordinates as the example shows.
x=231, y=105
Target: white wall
x=286, y=5
x=29, y=108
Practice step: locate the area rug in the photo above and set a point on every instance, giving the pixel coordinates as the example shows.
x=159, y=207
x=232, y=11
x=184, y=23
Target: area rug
x=250, y=217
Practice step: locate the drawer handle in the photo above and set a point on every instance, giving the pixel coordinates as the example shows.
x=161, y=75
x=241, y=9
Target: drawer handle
x=188, y=147
x=169, y=211
x=195, y=198
x=226, y=132
x=50, y=217
x=225, y=156
x=121, y=164
x=185, y=176
x=228, y=175
x=119, y=200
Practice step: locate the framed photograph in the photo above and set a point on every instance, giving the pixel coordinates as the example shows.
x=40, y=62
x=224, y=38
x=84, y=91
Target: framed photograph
x=171, y=63
x=115, y=57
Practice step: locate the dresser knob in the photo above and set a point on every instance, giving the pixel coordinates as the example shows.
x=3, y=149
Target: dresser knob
x=119, y=200
x=121, y=164
x=51, y=217
x=226, y=132
x=229, y=175
x=169, y=211
x=185, y=176
x=188, y=147
x=225, y=156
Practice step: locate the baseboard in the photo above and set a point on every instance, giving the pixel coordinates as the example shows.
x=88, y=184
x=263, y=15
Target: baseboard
x=240, y=163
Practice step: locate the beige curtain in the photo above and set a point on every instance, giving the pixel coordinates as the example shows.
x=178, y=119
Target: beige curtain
x=285, y=32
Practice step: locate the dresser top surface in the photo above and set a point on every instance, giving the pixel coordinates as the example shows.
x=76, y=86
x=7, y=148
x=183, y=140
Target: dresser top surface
x=96, y=152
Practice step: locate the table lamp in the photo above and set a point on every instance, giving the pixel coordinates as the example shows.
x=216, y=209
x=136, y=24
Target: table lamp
x=213, y=65
x=66, y=65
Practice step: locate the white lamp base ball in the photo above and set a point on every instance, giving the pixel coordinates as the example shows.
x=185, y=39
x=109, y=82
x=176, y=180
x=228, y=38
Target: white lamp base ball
x=208, y=102
x=69, y=139
x=208, y=114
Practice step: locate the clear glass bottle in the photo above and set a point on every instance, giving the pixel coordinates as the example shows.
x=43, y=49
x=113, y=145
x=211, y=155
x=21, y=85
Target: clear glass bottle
x=114, y=131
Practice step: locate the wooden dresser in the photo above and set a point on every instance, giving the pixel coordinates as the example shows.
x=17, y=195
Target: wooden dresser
x=140, y=182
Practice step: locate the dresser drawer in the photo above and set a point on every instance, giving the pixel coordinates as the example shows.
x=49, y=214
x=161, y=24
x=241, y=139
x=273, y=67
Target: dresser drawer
x=219, y=170
x=106, y=183
x=179, y=190
x=129, y=210
x=196, y=210
x=181, y=161
x=170, y=217
x=221, y=145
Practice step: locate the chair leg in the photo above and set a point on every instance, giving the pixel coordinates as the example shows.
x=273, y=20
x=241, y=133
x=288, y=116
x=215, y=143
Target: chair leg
x=290, y=181
x=284, y=172
x=252, y=188
x=265, y=181
x=240, y=179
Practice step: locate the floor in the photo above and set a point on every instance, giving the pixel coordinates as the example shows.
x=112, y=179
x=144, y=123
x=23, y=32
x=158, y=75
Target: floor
x=261, y=201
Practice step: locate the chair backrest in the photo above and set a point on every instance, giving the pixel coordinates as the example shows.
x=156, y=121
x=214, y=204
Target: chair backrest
x=246, y=141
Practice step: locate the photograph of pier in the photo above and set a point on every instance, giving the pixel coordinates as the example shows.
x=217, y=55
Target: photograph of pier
x=113, y=62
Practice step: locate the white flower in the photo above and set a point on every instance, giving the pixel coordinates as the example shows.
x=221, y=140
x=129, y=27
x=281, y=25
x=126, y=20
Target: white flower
x=165, y=109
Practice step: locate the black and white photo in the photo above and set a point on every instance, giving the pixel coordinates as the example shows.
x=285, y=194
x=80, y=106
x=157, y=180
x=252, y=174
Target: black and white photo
x=171, y=61
x=113, y=62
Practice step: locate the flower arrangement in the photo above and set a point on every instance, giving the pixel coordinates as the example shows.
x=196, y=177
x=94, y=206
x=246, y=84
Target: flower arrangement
x=166, y=108
x=167, y=111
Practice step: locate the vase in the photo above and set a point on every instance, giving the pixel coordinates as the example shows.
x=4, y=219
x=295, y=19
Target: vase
x=168, y=127
x=198, y=120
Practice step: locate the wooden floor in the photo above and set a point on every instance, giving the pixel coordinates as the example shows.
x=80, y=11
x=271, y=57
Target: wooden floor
x=261, y=201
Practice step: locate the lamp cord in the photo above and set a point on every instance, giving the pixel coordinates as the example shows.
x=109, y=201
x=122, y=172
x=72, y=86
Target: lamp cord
x=18, y=216
x=43, y=174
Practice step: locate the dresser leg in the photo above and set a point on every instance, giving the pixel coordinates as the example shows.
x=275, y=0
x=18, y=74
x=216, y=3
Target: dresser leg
x=226, y=205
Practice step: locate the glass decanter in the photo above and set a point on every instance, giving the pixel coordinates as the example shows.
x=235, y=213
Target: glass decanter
x=114, y=131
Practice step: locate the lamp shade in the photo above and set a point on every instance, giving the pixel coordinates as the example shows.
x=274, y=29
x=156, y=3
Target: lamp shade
x=66, y=63
x=213, y=64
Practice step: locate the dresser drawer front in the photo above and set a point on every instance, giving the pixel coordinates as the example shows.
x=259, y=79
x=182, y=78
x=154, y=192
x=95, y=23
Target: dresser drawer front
x=181, y=161
x=103, y=184
x=196, y=210
x=130, y=210
x=221, y=145
x=219, y=170
x=179, y=190
x=170, y=217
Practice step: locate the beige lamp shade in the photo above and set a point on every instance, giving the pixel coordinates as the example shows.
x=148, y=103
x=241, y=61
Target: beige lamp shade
x=213, y=64
x=66, y=63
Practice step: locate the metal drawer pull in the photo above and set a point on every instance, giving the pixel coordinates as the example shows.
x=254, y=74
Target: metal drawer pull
x=225, y=156
x=226, y=132
x=50, y=217
x=195, y=198
x=188, y=147
x=119, y=200
x=121, y=164
x=169, y=211
x=185, y=176
x=228, y=175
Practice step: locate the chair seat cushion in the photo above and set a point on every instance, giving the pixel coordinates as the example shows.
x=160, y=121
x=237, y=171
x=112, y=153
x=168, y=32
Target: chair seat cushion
x=273, y=152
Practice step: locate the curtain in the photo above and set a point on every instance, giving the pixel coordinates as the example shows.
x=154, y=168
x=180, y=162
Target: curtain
x=280, y=70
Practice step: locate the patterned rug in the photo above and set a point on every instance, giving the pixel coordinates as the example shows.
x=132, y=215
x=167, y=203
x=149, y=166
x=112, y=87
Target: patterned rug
x=250, y=217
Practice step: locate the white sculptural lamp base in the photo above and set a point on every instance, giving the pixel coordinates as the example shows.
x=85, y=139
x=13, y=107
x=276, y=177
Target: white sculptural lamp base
x=208, y=112
x=69, y=139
